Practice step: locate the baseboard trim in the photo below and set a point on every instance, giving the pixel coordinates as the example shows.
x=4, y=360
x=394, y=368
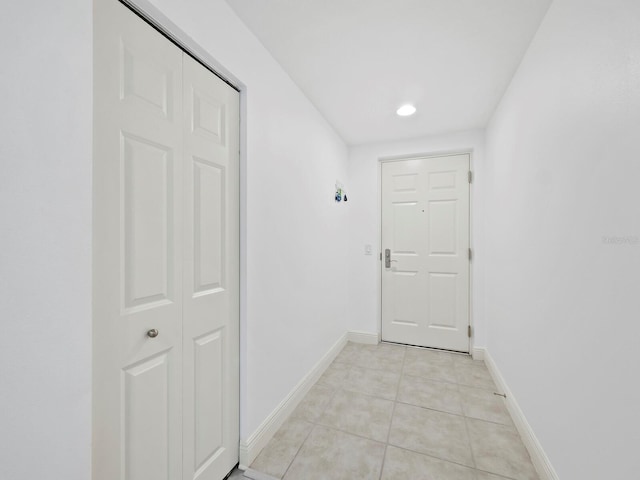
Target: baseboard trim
x=538, y=456
x=477, y=353
x=363, y=337
x=250, y=448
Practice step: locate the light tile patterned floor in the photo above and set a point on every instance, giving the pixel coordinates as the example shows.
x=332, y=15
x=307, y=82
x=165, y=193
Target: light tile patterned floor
x=394, y=412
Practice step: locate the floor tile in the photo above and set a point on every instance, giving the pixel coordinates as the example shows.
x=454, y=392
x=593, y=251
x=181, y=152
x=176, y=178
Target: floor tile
x=313, y=404
x=484, y=405
x=498, y=449
x=430, y=394
x=433, y=365
x=402, y=464
x=392, y=350
x=373, y=382
x=276, y=457
x=335, y=375
x=488, y=476
x=348, y=353
x=430, y=432
x=446, y=421
x=432, y=357
x=330, y=454
x=474, y=376
x=359, y=414
x=380, y=357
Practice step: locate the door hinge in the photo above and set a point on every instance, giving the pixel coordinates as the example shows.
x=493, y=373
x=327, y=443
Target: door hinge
x=470, y=255
x=469, y=331
x=470, y=176
x=380, y=256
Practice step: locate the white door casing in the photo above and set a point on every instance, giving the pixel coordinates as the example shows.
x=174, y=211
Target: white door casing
x=165, y=245
x=425, y=225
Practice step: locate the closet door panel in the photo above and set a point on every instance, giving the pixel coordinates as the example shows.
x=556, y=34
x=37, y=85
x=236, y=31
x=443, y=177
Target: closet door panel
x=137, y=300
x=211, y=274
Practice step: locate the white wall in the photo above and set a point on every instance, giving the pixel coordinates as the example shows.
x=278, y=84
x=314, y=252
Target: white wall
x=45, y=258
x=364, y=222
x=563, y=163
x=294, y=307
x=294, y=301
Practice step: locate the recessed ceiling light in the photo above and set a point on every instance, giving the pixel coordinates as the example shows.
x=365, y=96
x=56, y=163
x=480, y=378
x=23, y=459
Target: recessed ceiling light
x=406, y=110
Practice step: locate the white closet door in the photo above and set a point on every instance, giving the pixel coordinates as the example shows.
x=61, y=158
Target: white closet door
x=166, y=258
x=211, y=274
x=138, y=177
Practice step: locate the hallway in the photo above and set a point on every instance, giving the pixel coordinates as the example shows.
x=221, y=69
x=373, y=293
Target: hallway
x=388, y=412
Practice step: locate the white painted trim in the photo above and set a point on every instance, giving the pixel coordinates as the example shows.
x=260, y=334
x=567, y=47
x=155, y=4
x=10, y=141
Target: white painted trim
x=478, y=353
x=250, y=448
x=160, y=21
x=538, y=456
x=364, y=337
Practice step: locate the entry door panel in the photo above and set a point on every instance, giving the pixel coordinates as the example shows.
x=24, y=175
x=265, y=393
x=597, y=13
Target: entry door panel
x=211, y=283
x=425, y=226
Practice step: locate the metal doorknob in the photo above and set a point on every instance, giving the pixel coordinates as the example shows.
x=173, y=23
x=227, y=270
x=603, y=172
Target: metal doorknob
x=153, y=333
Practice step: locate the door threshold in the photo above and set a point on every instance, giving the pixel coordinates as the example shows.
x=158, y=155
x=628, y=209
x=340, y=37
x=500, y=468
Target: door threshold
x=435, y=349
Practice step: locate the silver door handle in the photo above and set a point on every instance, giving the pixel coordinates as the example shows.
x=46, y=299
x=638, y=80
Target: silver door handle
x=387, y=258
x=153, y=333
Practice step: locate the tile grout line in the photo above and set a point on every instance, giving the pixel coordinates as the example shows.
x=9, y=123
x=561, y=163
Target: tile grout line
x=314, y=422
x=473, y=457
x=393, y=412
x=457, y=388
x=462, y=415
x=498, y=475
x=384, y=456
x=431, y=455
x=343, y=388
x=298, y=451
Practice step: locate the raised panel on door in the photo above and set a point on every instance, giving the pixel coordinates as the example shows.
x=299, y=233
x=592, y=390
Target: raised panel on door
x=146, y=406
x=425, y=225
x=137, y=249
x=442, y=227
x=147, y=222
x=208, y=227
x=208, y=400
x=442, y=294
x=211, y=275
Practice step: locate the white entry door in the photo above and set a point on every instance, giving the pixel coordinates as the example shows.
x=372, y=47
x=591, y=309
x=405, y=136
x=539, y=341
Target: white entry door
x=166, y=266
x=425, y=252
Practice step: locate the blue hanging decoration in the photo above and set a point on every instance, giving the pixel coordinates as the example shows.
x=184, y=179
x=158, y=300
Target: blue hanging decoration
x=340, y=194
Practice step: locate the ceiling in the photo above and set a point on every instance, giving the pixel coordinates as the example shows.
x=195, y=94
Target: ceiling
x=359, y=60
